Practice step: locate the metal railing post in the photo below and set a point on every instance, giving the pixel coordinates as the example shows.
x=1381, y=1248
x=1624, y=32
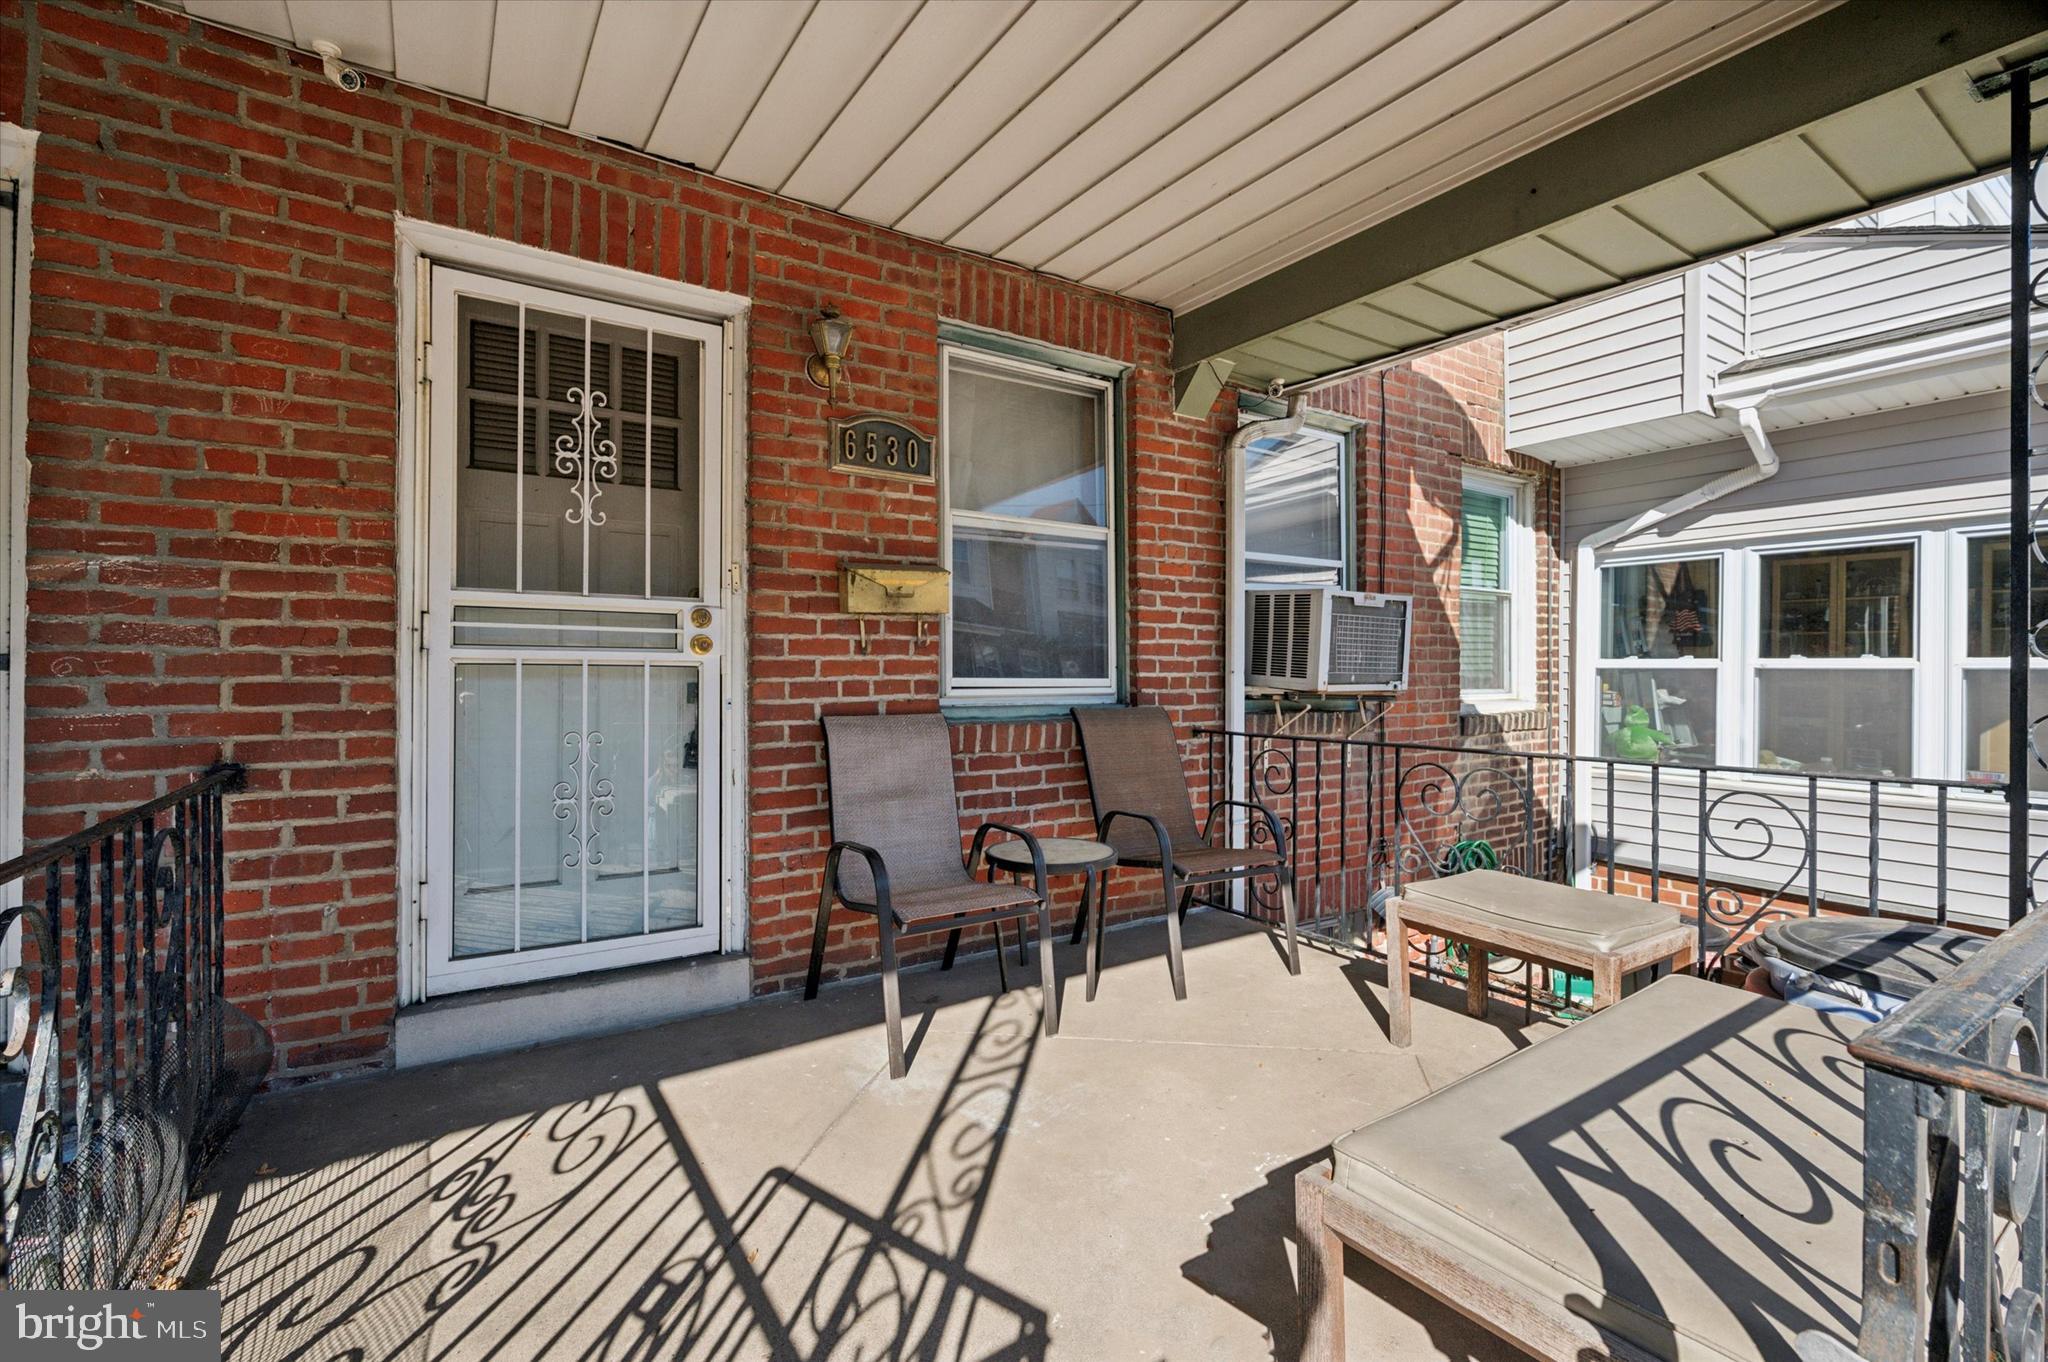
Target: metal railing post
x=2019, y=601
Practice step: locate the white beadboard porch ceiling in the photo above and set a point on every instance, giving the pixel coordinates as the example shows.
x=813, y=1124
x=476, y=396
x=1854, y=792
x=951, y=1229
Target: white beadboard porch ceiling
x=1169, y=150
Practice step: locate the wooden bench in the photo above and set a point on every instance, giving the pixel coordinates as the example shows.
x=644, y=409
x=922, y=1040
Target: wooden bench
x=1582, y=931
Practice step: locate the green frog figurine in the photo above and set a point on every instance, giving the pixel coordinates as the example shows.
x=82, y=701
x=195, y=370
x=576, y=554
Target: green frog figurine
x=1636, y=740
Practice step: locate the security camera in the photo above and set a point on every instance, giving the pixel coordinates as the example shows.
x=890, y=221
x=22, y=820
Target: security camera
x=346, y=77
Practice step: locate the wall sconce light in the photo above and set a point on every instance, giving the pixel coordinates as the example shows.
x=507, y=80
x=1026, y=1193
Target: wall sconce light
x=831, y=333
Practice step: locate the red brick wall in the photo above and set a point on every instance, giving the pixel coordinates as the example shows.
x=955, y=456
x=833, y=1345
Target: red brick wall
x=1436, y=417
x=1440, y=415
x=214, y=383
x=807, y=659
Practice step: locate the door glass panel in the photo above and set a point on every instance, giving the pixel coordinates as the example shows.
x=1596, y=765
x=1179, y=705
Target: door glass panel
x=549, y=717
x=672, y=800
x=486, y=902
x=585, y=775
x=579, y=455
x=615, y=882
x=551, y=547
x=495, y=416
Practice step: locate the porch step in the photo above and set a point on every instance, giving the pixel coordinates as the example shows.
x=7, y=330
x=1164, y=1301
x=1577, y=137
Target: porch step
x=519, y=1015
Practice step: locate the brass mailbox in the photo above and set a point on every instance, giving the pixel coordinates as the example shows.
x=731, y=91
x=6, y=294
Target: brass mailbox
x=894, y=589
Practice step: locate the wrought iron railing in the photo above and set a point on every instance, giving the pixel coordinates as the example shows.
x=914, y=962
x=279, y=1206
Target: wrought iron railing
x=1736, y=847
x=124, y=1065
x=1955, y=1094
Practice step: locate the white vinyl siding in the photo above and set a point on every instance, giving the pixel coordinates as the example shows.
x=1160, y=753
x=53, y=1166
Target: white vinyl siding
x=1945, y=460
x=1613, y=362
x=1909, y=857
x=1835, y=288
x=1725, y=313
x=1608, y=382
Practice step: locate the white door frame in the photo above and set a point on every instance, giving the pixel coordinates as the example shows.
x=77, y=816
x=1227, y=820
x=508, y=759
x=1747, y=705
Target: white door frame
x=420, y=246
x=17, y=171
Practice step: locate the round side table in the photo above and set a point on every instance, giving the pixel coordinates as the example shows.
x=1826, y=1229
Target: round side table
x=1066, y=856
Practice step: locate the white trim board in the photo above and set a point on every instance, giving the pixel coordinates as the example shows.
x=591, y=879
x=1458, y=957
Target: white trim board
x=571, y=274
x=17, y=166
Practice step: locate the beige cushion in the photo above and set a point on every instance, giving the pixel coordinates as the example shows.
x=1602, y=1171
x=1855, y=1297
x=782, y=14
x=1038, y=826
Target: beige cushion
x=1584, y=918
x=1685, y=1168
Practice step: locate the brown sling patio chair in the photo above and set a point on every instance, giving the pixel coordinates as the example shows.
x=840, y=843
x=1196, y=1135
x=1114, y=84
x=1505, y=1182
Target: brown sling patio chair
x=893, y=810
x=1143, y=809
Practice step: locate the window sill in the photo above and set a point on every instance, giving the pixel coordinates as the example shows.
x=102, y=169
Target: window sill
x=972, y=709
x=1496, y=704
x=1521, y=722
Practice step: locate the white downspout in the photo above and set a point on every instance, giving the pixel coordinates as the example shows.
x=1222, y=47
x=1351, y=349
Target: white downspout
x=1764, y=466
x=1234, y=454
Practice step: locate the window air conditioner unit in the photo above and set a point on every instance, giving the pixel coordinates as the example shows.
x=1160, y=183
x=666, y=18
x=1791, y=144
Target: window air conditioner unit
x=1320, y=639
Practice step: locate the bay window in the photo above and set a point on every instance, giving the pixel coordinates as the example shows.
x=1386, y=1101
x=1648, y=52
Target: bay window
x=1029, y=513
x=1836, y=660
x=1296, y=521
x=1882, y=658
x=1660, y=658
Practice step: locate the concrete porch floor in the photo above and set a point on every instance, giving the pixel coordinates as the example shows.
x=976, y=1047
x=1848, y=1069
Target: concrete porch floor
x=751, y=1184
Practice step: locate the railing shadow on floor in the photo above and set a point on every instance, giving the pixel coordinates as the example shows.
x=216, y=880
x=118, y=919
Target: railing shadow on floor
x=425, y=1241
x=1697, y=1160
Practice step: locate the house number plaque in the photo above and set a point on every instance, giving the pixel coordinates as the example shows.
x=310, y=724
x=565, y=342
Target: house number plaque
x=882, y=447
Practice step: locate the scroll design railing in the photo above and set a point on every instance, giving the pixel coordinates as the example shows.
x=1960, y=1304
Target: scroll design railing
x=124, y=1065
x=1737, y=847
x=1955, y=1238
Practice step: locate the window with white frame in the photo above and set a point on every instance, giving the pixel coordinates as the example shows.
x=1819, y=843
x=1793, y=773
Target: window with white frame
x=1296, y=509
x=1496, y=598
x=1837, y=659
x=1029, y=511
x=1660, y=660
x=1881, y=657
x=1986, y=723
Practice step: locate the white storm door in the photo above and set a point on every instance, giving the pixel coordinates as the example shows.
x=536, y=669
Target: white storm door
x=575, y=634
